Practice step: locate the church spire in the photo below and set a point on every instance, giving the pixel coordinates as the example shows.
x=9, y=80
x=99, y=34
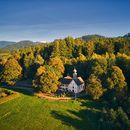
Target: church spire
x=74, y=73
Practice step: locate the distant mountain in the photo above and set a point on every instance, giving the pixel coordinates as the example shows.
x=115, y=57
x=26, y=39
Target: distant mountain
x=91, y=37
x=9, y=45
x=17, y=45
x=127, y=35
x=6, y=43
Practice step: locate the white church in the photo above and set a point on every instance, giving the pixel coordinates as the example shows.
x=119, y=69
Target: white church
x=72, y=84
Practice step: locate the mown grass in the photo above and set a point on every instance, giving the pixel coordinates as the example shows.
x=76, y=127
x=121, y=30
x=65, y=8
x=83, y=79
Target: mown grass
x=8, y=98
x=32, y=113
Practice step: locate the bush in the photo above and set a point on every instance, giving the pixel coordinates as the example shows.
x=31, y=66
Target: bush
x=5, y=92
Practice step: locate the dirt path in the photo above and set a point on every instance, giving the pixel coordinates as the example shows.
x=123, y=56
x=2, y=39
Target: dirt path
x=41, y=95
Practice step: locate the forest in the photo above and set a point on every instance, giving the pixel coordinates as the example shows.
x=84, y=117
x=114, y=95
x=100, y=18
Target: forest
x=104, y=64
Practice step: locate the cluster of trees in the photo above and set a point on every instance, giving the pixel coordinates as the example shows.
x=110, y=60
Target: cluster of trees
x=47, y=76
x=104, y=64
x=114, y=119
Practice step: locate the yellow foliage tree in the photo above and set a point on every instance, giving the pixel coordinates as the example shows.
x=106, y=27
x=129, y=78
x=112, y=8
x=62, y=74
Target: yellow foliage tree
x=57, y=63
x=11, y=72
x=41, y=70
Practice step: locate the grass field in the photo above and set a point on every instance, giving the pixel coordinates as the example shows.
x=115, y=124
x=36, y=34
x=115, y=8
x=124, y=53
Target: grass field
x=28, y=112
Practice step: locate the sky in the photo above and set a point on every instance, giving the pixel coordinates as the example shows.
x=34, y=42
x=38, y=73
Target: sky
x=46, y=20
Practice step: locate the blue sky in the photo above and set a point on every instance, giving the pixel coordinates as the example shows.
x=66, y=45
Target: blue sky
x=50, y=19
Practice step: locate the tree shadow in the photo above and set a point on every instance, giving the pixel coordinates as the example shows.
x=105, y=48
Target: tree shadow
x=87, y=118
x=22, y=90
x=93, y=104
x=81, y=120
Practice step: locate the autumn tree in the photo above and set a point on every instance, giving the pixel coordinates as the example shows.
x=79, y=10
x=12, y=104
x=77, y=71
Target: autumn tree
x=123, y=61
x=116, y=82
x=88, y=48
x=41, y=70
x=81, y=58
x=47, y=82
x=28, y=65
x=94, y=87
x=97, y=65
x=116, y=78
x=56, y=49
x=104, y=45
x=11, y=72
x=57, y=63
x=38, y=60
x=62, y=48
x=70, y=44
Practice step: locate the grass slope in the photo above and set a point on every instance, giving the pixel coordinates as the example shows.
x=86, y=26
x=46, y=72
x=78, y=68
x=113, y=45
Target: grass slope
x=32, y=113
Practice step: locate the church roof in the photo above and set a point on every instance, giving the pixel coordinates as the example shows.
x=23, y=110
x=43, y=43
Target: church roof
x=81, y=80
x=68, y=79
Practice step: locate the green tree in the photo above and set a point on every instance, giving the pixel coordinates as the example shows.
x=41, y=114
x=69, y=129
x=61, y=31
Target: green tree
x=116, y=78
x=56, y=49
x=28, y=62
x=123, y=61
x=94, y=87
x=70, y=44
x=97, y=65
x=116, y=119
x=116, y=82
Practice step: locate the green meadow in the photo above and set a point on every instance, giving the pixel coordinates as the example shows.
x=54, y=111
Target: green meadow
x=28, y=112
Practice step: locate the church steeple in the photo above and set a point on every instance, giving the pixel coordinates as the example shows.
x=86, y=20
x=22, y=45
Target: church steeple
x=74, y=73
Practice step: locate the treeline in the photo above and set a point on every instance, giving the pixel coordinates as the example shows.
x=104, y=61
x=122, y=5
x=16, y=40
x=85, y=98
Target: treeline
x=104, y=64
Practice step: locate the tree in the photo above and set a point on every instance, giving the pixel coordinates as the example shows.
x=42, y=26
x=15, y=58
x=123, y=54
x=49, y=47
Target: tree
x=104, y=45
x=116, y=78
x=77, y=50
x=57, y=63
x=11, y=72
x=97, y=65
x=38, y=60
x=41, y=70
x=116, y=83
x=88, y=48
x=94, y=87
x=16, y=55
x=70, y=43
x=81, y=58
x=56, y=49
x=28, y=61
x=62, y=47
x=116, y=119
x=123, y=61
x=47, y=82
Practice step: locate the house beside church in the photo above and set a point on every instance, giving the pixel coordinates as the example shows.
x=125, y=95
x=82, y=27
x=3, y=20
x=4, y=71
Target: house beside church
x=73, y=84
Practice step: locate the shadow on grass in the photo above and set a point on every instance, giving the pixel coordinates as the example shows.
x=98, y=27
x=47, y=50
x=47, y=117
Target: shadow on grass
x=86, y=119
x=22, y=90
x=94, y=104
x=81, y=120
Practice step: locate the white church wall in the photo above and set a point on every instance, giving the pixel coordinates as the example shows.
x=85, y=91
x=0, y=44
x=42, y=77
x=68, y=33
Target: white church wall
x=72, y=86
